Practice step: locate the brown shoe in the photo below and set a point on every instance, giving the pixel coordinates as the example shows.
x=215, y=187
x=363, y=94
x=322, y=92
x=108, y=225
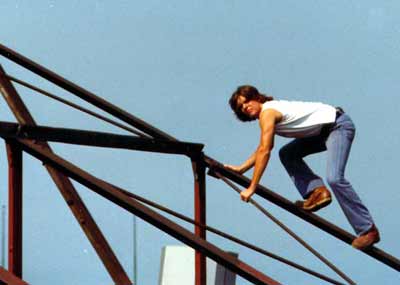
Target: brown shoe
x=318, y=199
x=366, y=240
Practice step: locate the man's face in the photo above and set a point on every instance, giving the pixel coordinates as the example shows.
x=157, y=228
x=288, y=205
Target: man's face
x=251, y=108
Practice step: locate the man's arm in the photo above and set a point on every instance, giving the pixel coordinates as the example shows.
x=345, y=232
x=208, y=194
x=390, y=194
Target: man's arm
x=268, y=119
x=249, y=163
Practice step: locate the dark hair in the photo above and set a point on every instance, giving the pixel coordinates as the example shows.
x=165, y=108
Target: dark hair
x=250, y=93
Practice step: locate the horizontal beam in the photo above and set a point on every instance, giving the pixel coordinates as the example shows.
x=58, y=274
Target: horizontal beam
x=317, y=221
x=82, y=93
x=114, y=195
x=8, y=278
x=99, y=139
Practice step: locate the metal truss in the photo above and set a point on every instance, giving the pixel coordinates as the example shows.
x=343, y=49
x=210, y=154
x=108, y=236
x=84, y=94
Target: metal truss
x=26, y=136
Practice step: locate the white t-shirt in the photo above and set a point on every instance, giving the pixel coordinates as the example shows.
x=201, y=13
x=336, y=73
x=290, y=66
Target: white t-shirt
x=301, y=119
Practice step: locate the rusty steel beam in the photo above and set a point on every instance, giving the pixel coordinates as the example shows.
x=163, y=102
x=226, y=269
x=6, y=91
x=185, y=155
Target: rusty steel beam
x=199, y=173
x=67, y=190
x=8, y=278
x=151, y=130
x=227, y=236
x=14, y=155
x=286, y=229
x=82, y=93
x=77, y=107
x=317, y=221
x=99, y=139
x=114, y=194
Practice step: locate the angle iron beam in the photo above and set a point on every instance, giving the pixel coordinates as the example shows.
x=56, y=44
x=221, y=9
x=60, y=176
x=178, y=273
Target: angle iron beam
x=114, y=195
x=317, y=221
x=67, y=190
x=99, y=139
x=82, y=93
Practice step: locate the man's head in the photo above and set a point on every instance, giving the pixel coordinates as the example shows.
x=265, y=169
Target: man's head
x=246, y=102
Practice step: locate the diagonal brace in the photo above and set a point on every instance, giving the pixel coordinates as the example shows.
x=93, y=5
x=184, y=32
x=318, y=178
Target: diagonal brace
x=67, y=190
x=112, y=193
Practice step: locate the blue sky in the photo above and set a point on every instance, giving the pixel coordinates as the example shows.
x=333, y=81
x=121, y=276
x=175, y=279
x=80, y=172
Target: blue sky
x=174, y=64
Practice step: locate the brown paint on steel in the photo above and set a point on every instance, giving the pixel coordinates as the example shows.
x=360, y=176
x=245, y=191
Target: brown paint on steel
x=99, y=139
x=200, y=217
x=67, y=190
x=114, y=195
x=14, y=155
x=8, y=278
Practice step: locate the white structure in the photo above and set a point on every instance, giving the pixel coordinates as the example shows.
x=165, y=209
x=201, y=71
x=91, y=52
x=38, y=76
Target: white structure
x=177, y=268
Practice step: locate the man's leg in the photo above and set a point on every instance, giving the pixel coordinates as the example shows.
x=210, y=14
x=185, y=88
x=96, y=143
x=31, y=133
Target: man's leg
x=292, y=155
x=338, y=148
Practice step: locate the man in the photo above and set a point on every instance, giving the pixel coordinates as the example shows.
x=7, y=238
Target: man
x=315, y=127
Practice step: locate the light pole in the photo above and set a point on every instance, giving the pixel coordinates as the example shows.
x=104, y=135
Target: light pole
x=134, y=251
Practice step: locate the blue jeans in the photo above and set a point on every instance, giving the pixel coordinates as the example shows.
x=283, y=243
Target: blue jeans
x=337, y=142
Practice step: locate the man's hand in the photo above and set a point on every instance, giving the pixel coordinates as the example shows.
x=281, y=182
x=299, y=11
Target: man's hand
x=234, y=168
x=245, y=195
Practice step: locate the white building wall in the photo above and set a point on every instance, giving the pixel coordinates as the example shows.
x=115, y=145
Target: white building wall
x=177, y=268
